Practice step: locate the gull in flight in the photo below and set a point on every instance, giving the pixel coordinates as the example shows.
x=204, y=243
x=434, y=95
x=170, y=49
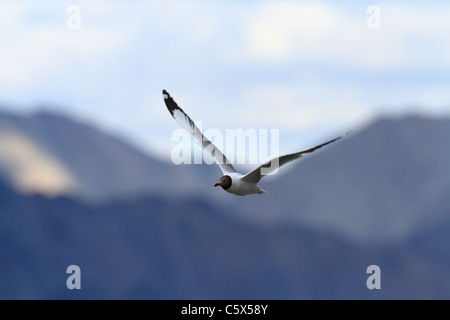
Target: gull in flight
x=232, y=181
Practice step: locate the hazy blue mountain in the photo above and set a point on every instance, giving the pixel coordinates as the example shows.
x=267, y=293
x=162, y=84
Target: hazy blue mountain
x=99, y=165
x=382, y=184
x=152, y=248
x=379, y=196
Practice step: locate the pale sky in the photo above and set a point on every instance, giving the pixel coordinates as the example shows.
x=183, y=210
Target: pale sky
x=311, y=69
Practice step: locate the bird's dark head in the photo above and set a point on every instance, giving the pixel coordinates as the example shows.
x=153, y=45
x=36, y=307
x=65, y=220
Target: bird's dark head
x=224, y=182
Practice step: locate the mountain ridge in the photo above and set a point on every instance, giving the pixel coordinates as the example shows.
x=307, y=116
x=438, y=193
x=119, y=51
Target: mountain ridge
x=380, y=184
x=378, y=181
x=156, y=243
x=189, y=249
x=105, y=166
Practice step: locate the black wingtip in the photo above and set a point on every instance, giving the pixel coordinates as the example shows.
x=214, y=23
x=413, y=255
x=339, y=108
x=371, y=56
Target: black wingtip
x=170, y=103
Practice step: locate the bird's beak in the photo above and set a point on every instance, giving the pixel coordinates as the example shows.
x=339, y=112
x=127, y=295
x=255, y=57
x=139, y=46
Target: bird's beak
x=217, y=184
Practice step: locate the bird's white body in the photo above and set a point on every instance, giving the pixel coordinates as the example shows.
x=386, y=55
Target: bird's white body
x=241, y=187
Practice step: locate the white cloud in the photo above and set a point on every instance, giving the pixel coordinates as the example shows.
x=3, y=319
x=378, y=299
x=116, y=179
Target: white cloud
x=287, y=32
x=293, y=107
x=280, y=31
x=38, y=47
x=283, y=64
x=11, y=14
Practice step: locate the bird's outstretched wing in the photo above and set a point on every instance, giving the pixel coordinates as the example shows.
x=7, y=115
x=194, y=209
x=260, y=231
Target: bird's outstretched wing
x=268, y=167
x=186, y=123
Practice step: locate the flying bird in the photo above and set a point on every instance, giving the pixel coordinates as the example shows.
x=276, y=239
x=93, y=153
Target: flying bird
x=233, y=181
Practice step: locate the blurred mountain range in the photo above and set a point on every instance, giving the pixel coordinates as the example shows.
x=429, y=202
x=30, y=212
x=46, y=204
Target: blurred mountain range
x=378, y=197
x=191, y=249
x=381, y=184
x=53, y=155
